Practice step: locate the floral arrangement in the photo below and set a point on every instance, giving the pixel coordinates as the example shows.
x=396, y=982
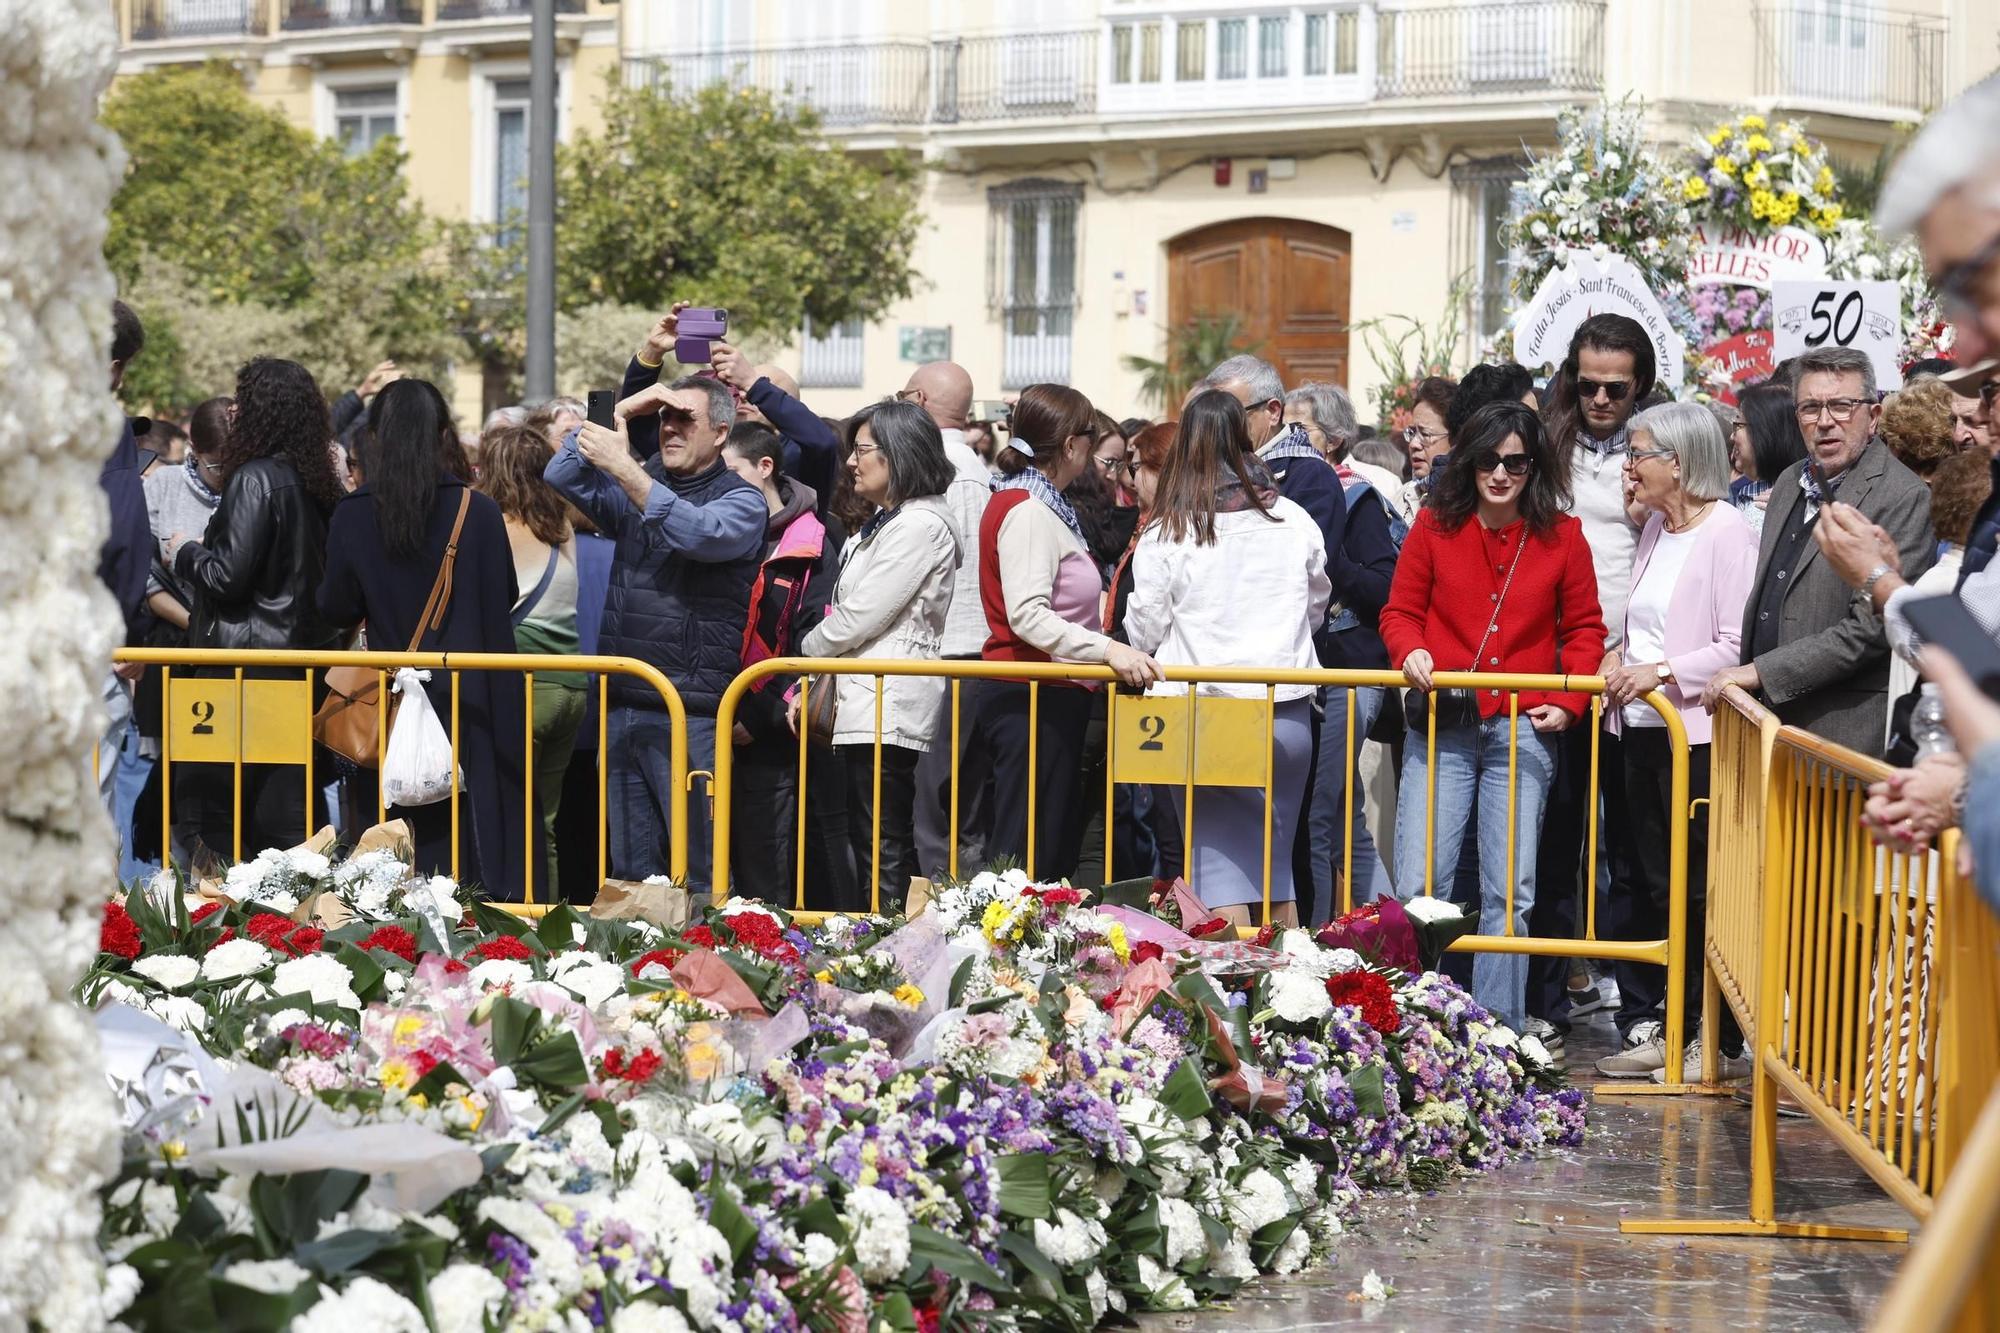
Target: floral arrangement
x=1748, y=173
x=578, y=1123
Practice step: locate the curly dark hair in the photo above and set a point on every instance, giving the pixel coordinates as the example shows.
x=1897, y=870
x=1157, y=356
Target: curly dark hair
x=1455, y=494
x=280, y=413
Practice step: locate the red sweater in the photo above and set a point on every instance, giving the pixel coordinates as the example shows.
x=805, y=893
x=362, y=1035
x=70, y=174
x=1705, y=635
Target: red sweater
x=1448, y=582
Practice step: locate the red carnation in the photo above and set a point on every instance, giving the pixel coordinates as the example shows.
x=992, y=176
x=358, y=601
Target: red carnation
x=666, y=958
x=304, y=940
x=642, y=1066
x=1147, y=950
x=268, y=928
x=204, y=912
x=699, y=936
x=452, y=966
x=500, y=946
x=1063, y=897
x=1370, y=993
x=118, y=933
x=228, y=934
x=395, y=940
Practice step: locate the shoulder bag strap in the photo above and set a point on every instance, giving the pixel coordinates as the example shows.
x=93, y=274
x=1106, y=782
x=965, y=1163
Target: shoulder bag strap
x=440, y=598
x=1493, y=621
x=534, y=598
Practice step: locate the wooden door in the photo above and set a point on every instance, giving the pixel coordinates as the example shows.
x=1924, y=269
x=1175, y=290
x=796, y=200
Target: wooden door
x=1286, y=281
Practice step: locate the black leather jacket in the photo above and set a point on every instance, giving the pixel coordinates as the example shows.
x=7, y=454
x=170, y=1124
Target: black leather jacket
x=256, y=574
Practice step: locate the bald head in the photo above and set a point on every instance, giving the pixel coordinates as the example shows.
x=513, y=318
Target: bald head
x=944, y=390
x=778, y=377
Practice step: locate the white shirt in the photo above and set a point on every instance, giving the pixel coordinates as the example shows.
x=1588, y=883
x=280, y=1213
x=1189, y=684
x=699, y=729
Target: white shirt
x=1646, y=614
x=971, y=487
x=1597, y=482
x=1253, y=597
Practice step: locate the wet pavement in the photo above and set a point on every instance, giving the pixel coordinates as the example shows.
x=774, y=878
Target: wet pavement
x=1536, y=1245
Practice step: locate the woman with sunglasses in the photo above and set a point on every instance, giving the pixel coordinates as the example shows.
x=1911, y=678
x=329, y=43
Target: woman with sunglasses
x=1496, y=577
x=1042, y=591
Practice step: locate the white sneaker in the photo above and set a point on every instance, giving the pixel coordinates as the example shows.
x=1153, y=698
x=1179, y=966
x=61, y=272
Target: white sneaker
x=1545, y=1032
x=1602, y=996
x=1728, y=1068
x=1645, y=1051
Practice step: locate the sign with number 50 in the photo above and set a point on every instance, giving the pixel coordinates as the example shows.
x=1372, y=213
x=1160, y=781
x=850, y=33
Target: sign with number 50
x=1864, y=316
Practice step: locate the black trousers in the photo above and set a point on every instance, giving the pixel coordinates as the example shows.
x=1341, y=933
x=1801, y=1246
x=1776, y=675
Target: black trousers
x=1561, y=877
x=763, y=827
x=1062, y=721
x=204, y=810
x=898, y=836
x=1640, y=911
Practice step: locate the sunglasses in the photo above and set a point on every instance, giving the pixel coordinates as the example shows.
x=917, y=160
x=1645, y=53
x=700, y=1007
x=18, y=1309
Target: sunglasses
x=1615, y=390
x=1955, y=285
x=1487, y=460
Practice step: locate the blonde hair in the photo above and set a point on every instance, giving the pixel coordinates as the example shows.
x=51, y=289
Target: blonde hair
x=1917, y=426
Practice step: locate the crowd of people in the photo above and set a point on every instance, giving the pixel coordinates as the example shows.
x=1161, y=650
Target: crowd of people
x=1586, y=525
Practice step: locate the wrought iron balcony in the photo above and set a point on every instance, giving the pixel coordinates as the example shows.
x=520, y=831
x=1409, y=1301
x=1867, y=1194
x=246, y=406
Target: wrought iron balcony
x=165, y=20
x=312, y=15
x=1848, y=56
x=499, y=9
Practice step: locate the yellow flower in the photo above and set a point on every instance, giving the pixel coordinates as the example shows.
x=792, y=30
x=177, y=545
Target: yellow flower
x=993, y=923
x=561, y=1214
x=824, y=976
x=475, y=1110
x=173, y=1150
x=1694, y=188
x=1825, y=180
x=908, y=995
x=1756, y=175
x=1752, y=122
x=397, y=1074
x=1118, y=944
x=408, y=1029
x=1725, y=165
x=1757, y=143
x=1829, y=217
x=1716, y=137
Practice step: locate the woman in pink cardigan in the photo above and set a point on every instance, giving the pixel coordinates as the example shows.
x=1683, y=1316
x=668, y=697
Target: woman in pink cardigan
x=1696, y=561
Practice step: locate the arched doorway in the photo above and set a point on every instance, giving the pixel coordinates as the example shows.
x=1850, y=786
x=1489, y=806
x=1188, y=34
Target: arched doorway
x=1287, y=281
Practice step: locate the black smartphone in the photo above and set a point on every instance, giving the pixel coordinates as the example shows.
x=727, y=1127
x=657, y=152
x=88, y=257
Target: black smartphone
x=1945, y=623
x=601, y=408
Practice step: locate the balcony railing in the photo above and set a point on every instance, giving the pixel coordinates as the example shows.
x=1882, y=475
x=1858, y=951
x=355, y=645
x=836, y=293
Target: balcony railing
x=310, y=15
x=1163, y=60
x=499, y=9
x=163, y=20
x=1847, y=55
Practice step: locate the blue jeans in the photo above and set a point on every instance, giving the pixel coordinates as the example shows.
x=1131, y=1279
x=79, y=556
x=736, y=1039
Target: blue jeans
x=1472, y=776
x=1329, y=800
x=639, y=786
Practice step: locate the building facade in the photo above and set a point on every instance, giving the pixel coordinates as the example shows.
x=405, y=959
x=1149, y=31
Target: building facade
x=1099, y=171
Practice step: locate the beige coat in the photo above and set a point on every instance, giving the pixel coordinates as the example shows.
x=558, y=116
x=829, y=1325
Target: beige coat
x=894, y=593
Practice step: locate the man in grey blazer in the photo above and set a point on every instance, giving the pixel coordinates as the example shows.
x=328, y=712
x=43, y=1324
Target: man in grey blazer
x=1813, y=647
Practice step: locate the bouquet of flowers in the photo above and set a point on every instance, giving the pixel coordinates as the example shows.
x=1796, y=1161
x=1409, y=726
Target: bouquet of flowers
x=1747, y=173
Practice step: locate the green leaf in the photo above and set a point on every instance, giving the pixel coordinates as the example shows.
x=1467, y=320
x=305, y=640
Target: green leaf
x=556, y=1061
x=1022, y=1248
x=554, y=930
x=1186, y=1093
x=337, y=1254
x=821, y=1218
x=292, y=1207
x=367, y=972
x=1366, y=1085
x=956, y=994
x=242, y=1310
x=443, y=1074
x=513, y=1023
x=564, y=1109
x=729, y=1219
x=933, y=1249
x=607, y=1119
x=1025, y=1190
x=493, y=921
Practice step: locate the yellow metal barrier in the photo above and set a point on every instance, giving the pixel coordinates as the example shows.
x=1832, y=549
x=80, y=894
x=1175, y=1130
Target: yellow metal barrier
x=1192, y=741
x=1739, y=761
x=1875, y=983
x=259, y=710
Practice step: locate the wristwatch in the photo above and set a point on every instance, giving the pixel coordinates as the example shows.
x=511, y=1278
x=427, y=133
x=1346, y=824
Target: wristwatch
x=1666, y=672
x=1874, y=577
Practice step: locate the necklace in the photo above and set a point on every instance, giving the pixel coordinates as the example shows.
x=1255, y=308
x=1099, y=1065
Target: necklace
x=1693, y=519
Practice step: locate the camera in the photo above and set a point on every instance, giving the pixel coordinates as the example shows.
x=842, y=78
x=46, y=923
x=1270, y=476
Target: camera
x=997, y=412
x=698, y=327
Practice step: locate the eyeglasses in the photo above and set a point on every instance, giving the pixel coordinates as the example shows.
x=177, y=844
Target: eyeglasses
x=1988, y=392
x=1111, y=466
x=861, y=449
x=1615, y=390
x=1517, y=465
x=1841, y=410
x=1640, y=455
x=909, y=395
x=1954, y=285
x=1422, y=435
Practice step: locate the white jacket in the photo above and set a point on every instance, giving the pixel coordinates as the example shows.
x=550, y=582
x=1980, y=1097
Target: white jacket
x=971, y=487
x=1251, y=599
x=894, y=591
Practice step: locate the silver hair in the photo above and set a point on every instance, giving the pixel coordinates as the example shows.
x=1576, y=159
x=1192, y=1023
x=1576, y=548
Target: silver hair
x=1259, y=375
x=563, y=403
x=505, y=416
x=1695, y=436
x=1330, y=409
x=1836, y=361
x=721, y=402
x=1954, y=149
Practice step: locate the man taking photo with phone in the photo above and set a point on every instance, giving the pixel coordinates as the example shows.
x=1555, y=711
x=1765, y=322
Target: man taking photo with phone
x=1811, y=648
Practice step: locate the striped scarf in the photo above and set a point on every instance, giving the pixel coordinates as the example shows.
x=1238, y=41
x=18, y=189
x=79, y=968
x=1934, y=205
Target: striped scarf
x=1031, y=480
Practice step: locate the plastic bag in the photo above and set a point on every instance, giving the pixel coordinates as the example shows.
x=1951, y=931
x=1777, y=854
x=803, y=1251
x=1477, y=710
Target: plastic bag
x=418, y=768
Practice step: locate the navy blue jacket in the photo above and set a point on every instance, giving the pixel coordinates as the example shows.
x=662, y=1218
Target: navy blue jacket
x=681, y=575
x=812, y=449
x=1313, y=485
x=1361, y=568
x=127, y=553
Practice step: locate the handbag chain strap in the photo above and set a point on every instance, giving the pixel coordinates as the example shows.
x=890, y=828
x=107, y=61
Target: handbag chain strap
x=1493, y=621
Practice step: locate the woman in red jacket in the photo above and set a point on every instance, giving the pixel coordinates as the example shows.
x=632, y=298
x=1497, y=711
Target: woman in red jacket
x=1494, y=577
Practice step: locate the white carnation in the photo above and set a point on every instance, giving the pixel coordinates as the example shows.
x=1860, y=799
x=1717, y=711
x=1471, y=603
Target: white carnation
x=1299, y=997
x=881, y=1233
x=1345, y=960
x=1259, y=1200
x=1373, y=1288
x=463, y=1296
x=1164, y=1289
x=1537, y=1054
x=274, y=1276
x=170, y=970
x=497, y=972
x=592, y=979
x=1293, y=1254
x=1428, y=910
x=366, y=1304
x=820, y=1251
x=645, y=1318
x=180, y=1012
x=234, y=958
x=122, y=1285
x=1185, y=1238
x=320, y=975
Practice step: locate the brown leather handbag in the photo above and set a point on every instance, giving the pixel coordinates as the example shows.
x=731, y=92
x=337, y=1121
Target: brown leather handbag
x=349, y=721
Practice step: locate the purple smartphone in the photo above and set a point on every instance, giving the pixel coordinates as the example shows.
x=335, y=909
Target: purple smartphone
x=699, y=326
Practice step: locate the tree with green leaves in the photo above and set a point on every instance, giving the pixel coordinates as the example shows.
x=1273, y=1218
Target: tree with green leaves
x=731, y=198
x=236, y=232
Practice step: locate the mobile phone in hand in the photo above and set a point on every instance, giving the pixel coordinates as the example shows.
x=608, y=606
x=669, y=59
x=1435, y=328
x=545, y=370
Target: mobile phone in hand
x=601, y=408
x=1819, y=481
x=1944, y=622
x=699, y=326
